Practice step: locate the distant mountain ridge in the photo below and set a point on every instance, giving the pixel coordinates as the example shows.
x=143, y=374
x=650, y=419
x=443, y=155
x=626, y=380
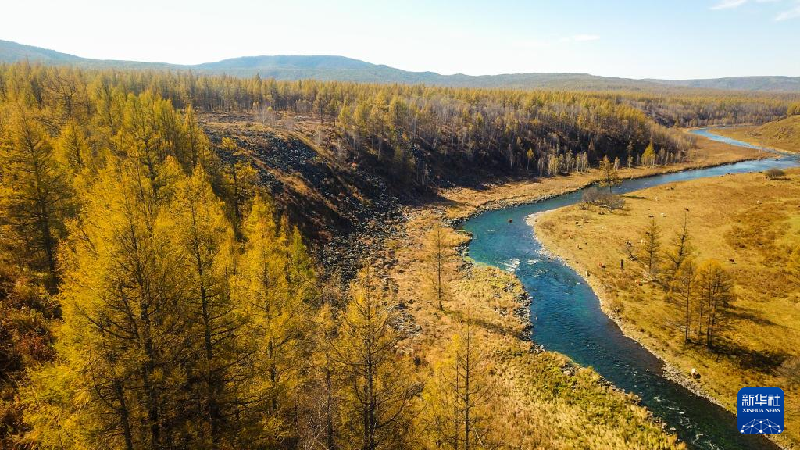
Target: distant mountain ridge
x=341, y=68
x=764, y=84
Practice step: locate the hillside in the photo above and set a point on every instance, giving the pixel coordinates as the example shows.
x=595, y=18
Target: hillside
x=340, y=68
x=782, y=134
x=11, y=52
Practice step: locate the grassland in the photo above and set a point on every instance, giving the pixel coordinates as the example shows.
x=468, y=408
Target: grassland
x=782, y=134
x=750, y=224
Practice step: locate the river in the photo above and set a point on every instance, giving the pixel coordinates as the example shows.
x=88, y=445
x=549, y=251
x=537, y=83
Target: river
x=567, y=317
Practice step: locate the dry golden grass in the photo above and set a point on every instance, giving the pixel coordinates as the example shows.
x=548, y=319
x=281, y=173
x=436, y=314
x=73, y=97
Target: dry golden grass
x=781, y=134
x=747, y=222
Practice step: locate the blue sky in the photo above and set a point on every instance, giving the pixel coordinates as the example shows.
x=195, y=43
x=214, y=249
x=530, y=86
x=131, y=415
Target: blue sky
x=646, y=38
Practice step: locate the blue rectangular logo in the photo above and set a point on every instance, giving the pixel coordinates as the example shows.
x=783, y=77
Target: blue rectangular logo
x=759, y=410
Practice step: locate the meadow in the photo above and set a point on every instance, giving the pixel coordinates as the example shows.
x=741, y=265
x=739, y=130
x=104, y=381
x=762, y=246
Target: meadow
x=748, y=224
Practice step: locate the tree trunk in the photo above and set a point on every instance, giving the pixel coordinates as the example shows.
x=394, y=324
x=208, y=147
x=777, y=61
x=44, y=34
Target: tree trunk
x=123, y=415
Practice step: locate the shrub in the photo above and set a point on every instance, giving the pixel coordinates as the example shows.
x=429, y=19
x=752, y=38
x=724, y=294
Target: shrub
x=775, y=174
x=601, y=198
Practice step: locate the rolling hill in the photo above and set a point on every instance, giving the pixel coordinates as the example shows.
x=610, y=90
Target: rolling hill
x=781, y=134
x=340, y=68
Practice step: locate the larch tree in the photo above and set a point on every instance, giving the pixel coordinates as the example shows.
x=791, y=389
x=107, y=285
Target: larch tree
x=715, y=293
x=680, y=250
x=629, y=157
x=379, y=383
x=610, y=176
x=206, y=245
x=35, y=196
x=322, y=398
x=649, y=155
x=197, y=148
x=239, y=179
x=300, y=273
x=650, y=253
x=684, y=285
x=457, y=395
x=278, y=324
x=124, y=340
x=73, y=148
x=438, y=251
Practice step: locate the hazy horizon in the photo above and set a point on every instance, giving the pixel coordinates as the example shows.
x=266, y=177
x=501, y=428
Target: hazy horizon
x=421, y=71
x=678, y=40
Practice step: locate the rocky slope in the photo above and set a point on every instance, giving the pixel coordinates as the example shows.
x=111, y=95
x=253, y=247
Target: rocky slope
x=342, y=205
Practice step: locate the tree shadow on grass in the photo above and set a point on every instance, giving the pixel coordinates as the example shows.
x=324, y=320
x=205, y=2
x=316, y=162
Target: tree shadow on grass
x=748, y=316
x=766, y=362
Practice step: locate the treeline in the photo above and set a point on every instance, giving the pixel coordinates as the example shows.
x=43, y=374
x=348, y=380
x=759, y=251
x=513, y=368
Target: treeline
x=711, y=109
x=151, y=297
x=408, y=128
x=412, y=128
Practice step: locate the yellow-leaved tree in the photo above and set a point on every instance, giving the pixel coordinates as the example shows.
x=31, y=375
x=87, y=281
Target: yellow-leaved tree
x=117, y=381
x=456, y=414
x=273, y=284
x=35, y=196
x=206, y=249
x=379, y=388
x=439, y=255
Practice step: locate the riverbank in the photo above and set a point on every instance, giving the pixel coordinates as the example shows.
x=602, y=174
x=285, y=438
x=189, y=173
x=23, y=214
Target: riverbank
x=539, y=399
x=745, y=221
x=537, y=390
x=670, y=371
x=463, y=203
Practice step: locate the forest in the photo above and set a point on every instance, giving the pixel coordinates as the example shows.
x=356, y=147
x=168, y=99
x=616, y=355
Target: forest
x=410, y=128
x=152, y=294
